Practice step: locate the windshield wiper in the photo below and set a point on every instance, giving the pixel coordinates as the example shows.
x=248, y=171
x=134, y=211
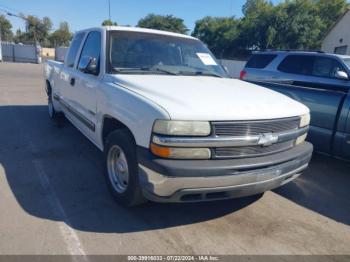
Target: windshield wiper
x=201, y=73
x=206, y=73
x=143, y=69
x=159, y=69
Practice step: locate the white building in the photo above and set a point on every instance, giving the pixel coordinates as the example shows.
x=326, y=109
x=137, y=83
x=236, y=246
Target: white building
x=337, y=39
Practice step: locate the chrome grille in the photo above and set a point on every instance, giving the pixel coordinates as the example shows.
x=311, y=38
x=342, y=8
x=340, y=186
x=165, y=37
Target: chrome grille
x=246, y=128
x=250, y=151
x=251, y=128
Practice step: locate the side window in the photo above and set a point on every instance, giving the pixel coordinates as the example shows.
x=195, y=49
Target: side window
x=73, y=49
x=326, y=67
x=260, y=61
x=322, y=67
x=91, y=51
x=297, y=64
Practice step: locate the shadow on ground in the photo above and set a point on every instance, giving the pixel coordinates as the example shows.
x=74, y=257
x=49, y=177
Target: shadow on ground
x=323, y=188
x=34, y=150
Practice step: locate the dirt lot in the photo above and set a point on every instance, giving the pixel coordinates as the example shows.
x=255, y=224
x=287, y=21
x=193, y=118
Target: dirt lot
x=53, y=198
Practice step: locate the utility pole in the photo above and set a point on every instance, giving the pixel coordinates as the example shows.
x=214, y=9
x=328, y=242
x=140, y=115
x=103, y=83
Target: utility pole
x=0, y=47
x=109, y=10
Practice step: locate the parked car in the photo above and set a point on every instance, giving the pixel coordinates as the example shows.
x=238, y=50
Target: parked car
x=172, y=126
x=318, y=80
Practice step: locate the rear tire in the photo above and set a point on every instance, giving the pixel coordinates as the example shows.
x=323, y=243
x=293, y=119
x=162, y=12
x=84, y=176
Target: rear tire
x=53, y=114
x=121, y=168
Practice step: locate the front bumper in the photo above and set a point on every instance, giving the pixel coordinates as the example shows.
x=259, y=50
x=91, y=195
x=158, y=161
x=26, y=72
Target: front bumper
x=165, y=180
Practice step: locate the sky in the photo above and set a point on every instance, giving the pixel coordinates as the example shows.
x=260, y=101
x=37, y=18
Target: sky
x=81, y=14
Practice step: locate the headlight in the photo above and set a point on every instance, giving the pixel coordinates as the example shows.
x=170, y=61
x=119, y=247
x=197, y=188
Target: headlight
x=305, y=120
x=182, y=128
x=181, y=153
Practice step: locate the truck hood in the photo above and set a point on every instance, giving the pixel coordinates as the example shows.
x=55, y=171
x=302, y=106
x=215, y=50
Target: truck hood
x=211, y=98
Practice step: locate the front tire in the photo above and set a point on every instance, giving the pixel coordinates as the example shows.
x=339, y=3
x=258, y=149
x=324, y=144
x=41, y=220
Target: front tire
x=122, y=168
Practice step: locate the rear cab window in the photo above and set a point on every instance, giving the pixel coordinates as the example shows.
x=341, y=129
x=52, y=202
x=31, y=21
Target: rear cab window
x=73, y=49
x=260, y=61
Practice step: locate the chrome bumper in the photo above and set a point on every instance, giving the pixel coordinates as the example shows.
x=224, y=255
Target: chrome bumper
x=162, y=188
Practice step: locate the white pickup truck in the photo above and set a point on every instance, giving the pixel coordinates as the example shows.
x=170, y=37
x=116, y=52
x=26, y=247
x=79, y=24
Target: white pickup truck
x=172, y=125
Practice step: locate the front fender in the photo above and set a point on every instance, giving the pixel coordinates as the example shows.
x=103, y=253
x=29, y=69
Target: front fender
x=131, y=109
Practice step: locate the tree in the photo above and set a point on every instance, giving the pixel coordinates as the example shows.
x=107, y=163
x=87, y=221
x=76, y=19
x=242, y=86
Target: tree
x=293, y=24
x=166, y=23
x=298, y=25
x=37, y=30
x=62, y=36
x=330, y=11
x=109, y=22
x=18, y=36
x=251, y=6
x=219, y=33
x=257, y=27
x=5, y=29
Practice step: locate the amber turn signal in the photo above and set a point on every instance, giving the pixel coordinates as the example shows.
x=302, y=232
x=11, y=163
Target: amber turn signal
x=160, y=151
x=180, y=153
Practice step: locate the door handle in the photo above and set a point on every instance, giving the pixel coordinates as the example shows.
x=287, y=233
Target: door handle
x=72, y=81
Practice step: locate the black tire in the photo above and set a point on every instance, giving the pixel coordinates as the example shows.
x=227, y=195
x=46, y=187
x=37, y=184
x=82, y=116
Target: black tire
x=132, y=196
x=53, y=114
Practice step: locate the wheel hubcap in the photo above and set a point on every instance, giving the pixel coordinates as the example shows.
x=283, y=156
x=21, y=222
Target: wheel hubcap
x=118, y=171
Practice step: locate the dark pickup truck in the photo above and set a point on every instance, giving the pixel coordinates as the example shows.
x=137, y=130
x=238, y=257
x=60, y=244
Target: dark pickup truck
x=330, y=114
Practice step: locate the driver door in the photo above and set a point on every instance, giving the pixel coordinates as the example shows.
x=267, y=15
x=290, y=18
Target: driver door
x=85, y=84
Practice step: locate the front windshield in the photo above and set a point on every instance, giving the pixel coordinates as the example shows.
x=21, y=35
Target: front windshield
x=347, y=62
x=144, y=53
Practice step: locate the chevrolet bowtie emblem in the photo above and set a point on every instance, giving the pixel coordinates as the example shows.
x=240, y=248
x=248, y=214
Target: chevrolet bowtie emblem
x=268, y=139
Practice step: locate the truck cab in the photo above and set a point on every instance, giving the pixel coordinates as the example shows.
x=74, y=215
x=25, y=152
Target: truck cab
x=172, y=125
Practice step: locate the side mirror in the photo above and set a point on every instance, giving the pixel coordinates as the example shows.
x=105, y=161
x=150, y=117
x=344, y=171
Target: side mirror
x=88, y=65
x=341, y=75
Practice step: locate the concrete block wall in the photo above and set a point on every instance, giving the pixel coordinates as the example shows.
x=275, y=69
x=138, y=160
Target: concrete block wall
x=19, y=53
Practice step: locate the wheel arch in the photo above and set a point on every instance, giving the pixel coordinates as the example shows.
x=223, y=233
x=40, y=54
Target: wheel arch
x=110, y=124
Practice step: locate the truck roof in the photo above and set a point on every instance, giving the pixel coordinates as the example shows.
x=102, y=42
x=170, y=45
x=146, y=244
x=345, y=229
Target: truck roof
x=138, y=29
